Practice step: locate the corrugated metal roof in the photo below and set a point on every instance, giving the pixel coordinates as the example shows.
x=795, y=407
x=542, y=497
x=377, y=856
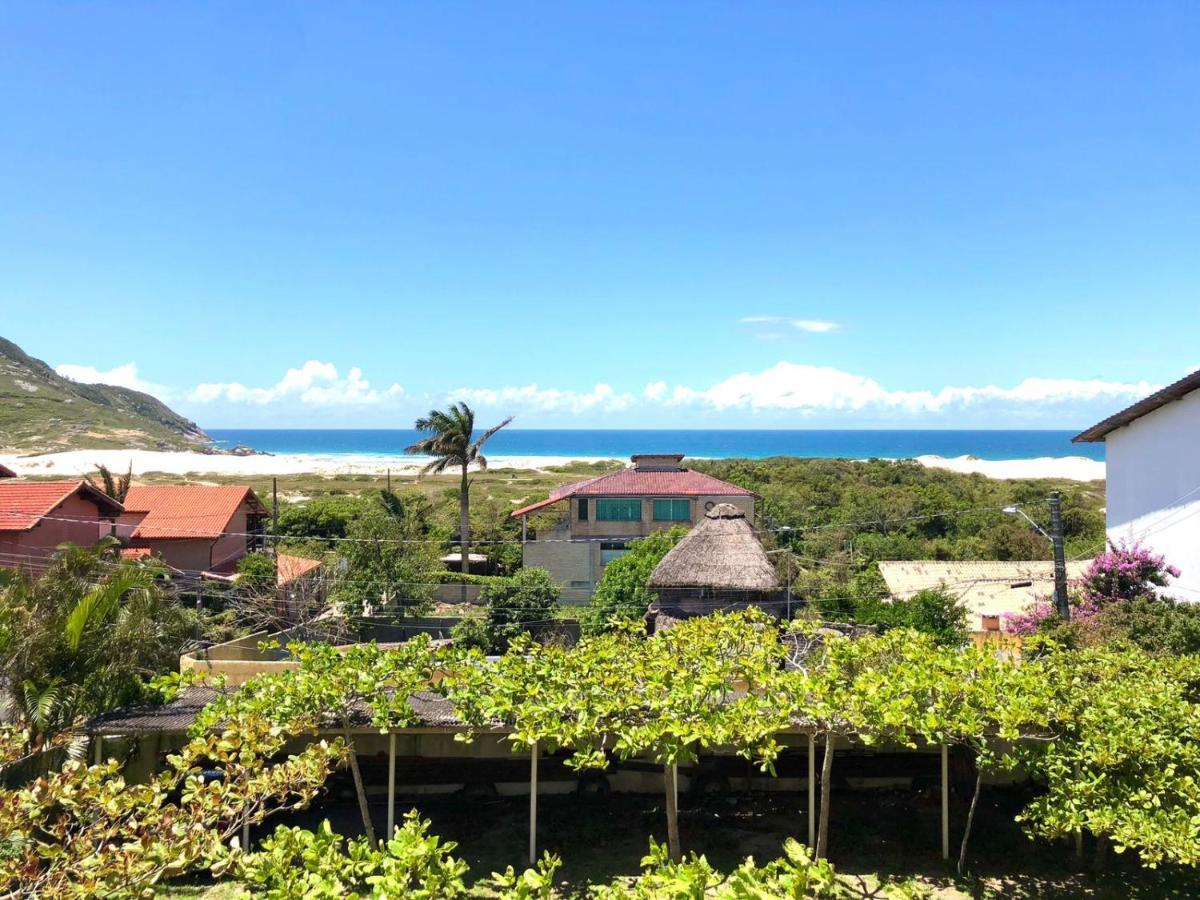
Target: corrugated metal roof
x=24, y=503
x=1172, y=392
x=632, y=482
x=187, y=510
x=987, y=588
x=432, y=709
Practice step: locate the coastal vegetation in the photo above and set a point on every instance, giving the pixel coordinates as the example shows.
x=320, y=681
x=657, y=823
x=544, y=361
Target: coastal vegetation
x=41, y=411
x=86, y=635
x=1108, y=733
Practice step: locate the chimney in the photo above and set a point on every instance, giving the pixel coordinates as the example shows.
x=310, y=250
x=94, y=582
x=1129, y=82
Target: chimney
x=657, y=462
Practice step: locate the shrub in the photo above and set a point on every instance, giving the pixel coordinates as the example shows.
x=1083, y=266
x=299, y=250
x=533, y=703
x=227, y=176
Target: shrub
x=622, y=592
x=1125, y=572
x=517, y=603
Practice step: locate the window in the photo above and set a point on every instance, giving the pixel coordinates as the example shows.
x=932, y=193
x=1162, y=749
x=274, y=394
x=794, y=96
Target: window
x=611, y=551
x=673, y=509
x=583, y=509
x=610, y=509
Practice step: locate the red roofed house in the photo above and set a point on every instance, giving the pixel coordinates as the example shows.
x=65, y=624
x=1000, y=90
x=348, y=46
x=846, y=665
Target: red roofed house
x=37, y=516
x=194, y=528
x=606, y=512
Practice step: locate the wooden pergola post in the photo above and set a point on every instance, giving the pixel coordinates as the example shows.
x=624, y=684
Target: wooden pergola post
x=945, y=801
x=246, y=834
x=391, y=820
x=812, y=791
x=533, y=792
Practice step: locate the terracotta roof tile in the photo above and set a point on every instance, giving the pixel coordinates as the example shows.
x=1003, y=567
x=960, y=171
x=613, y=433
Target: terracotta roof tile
x=631, y=482
x=289, y=568
x=187, y=510
x=24, y=503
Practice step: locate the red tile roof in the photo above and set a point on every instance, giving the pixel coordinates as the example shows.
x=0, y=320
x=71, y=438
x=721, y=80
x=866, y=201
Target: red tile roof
x=289, y=568
x=180, y=511
x=24, y=503
x=137, y=553
x=631, y=482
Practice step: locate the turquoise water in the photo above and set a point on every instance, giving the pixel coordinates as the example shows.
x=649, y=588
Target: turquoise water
x=620, y=444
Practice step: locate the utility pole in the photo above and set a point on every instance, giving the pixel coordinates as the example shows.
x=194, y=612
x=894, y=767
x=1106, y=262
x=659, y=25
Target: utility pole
x=274, y=511
x=1060, y=563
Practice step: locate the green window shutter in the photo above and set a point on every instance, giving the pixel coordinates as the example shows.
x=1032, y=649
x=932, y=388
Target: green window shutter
x=583, y=509
x=612, y=509
x=672, y=509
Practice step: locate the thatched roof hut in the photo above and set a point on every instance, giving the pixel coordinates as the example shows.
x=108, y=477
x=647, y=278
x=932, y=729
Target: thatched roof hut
x=719, y=565
x=721, y=553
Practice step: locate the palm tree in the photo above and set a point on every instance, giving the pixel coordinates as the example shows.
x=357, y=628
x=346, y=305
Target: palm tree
x=450, y=444
x=116, y=486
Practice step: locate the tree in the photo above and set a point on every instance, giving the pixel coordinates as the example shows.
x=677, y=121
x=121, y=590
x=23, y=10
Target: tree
x=326, y=689
x=622, y=592
x=389, y=564
x=517, y=604
x=935, y=612
x=451, y=443
x=116, y=486
x=88, y=634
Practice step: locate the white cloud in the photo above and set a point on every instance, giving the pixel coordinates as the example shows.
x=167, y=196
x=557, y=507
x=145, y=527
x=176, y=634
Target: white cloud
x=530, y=396
x=811, y=326
x=809, y=389
x=315, y=383
x=125, y=376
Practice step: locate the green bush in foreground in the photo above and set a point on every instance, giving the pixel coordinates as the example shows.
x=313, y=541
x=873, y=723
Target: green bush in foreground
x=295, y=863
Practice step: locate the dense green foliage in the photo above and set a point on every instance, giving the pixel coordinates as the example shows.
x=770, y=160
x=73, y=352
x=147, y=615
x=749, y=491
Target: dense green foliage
x=846, y=513
x=521, y=603
x=935, y=612
x=295, y=864
x=390, y=566
x=86, y=635
x=622, y=593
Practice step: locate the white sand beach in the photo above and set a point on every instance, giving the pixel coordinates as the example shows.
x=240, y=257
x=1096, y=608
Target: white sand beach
x=71, y=463
x=77, y=462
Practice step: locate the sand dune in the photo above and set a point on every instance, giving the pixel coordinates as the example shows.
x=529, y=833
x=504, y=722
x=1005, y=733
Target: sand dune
x=76, y=462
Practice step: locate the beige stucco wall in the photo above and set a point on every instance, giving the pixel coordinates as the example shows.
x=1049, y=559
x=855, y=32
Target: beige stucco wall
x=566, y=561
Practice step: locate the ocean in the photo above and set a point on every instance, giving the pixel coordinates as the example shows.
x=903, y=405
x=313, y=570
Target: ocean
x=621, y=443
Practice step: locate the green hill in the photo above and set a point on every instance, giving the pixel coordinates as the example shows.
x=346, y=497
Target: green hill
x=40, y=411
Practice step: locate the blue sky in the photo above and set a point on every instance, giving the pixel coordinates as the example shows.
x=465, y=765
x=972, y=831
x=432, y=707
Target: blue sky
x=606, y=215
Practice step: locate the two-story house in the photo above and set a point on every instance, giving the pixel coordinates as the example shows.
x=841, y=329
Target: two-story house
x=194, y=528
x=603, y=514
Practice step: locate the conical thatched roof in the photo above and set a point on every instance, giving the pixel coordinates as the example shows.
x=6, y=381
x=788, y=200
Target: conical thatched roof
x=721, y=552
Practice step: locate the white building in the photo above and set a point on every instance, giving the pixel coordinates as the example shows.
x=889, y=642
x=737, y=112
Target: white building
x=1152, y=452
